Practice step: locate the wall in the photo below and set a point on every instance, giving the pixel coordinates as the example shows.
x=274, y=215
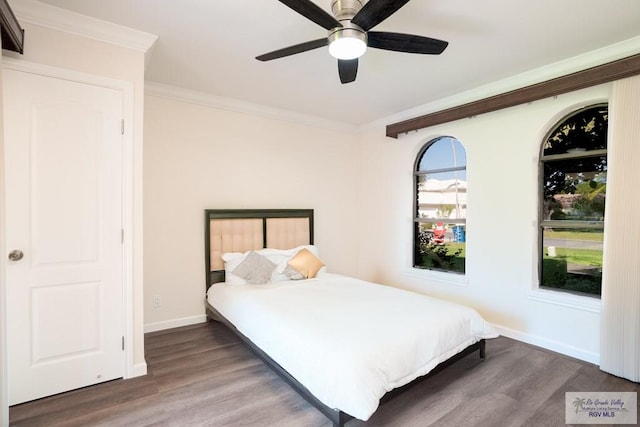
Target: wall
x=199, y=157
x=502, y=165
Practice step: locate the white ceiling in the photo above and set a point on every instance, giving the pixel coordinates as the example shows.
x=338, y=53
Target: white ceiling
x=210, y=46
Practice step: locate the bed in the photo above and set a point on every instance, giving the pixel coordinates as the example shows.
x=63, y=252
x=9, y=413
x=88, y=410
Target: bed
x=344, y=344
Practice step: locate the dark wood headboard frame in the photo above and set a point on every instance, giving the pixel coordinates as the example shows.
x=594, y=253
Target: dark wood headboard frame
x=209, y=214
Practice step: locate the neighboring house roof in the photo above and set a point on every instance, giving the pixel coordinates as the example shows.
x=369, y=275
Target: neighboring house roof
x=444, y=185
x=566, y=200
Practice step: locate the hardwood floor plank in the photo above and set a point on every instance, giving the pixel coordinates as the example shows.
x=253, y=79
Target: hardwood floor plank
x=62, y=407
x=202, y=375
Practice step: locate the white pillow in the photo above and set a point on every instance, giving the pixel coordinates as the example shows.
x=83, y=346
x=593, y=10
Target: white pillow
x=282, y=256
x=231, y=261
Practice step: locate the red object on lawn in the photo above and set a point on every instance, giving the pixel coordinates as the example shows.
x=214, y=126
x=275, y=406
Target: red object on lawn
x=439, y=231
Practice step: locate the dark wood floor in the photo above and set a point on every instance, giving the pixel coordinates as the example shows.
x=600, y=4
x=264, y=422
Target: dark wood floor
x=202, y=375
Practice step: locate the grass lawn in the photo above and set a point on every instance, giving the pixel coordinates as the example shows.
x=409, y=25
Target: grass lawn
x=558, y=274
x=457, y=263
x=578, y=256
x=595, y=235
x=452, y=247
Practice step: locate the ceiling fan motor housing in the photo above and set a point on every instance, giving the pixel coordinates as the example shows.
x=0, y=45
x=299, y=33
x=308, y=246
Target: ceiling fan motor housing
x=348, y=30
x=345, y=9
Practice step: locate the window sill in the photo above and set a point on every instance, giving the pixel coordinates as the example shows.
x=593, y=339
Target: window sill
x=578, y=302
x=438, y=277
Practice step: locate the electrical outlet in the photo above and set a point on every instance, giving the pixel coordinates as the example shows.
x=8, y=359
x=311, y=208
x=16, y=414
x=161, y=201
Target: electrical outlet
x=156, y=301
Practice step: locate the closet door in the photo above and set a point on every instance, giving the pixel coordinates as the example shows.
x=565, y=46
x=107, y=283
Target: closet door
x=64, y=272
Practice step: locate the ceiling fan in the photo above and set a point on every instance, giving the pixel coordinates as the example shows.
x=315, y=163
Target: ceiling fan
x=349, y=34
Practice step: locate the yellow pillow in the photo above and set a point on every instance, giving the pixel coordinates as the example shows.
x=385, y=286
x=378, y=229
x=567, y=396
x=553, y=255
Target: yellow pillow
x=306, y=263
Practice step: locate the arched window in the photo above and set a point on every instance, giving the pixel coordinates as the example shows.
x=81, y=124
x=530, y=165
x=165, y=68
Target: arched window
x=573, y=189
x=440, y=206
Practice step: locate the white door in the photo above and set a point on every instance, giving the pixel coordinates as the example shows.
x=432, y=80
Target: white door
x=64, y=273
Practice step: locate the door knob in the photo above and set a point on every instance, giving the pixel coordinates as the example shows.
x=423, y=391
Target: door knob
x=16, y=255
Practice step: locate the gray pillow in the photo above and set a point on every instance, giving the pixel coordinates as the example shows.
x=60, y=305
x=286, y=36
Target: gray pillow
x=292, y=273
x=255, y=269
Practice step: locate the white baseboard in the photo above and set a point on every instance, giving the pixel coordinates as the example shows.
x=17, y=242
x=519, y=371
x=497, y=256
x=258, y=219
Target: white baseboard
x=140, y=369
x=174, y=323
x=548, y=344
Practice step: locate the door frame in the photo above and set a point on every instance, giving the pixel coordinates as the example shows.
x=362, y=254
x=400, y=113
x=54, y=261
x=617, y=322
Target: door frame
x=127, y=90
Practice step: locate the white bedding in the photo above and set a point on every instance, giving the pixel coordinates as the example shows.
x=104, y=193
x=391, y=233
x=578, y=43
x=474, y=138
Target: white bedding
x=349, y=341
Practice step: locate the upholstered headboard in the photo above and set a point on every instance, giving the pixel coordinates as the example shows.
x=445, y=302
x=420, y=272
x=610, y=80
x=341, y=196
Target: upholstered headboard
x=241, y=230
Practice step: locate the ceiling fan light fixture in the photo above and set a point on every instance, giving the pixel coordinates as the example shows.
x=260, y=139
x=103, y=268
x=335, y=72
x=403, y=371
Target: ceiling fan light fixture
x=348, y=36
x=347, y=43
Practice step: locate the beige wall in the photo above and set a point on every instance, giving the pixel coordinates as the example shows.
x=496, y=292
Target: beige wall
x=80, y=54
x=198, y=157
x=74, y=52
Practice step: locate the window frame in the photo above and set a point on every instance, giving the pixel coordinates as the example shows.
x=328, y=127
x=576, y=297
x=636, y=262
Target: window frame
x=565, y=224
x=417, y=220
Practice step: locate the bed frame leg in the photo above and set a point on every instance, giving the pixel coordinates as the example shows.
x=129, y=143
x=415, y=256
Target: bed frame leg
x=339, y=419
x=482, y=349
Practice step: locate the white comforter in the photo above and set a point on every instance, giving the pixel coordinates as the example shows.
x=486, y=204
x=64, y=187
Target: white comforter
x=349, y=341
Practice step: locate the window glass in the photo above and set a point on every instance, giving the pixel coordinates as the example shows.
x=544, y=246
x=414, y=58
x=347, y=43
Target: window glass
x=442, y=197
x=585, y=130
x=572, y=259
x=574, y=186
x=444, y=153
x=440, y=200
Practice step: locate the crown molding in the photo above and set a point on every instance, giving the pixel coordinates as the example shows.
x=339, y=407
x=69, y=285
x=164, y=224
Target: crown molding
x=44, y=15
x=176, y=93
x=614, y=52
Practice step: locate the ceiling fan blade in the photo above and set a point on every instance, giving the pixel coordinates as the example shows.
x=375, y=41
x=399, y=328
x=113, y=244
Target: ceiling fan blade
x=405, y=43
x=292, y=50
x=348, y=69
x=376, y=11
x=313, y=12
